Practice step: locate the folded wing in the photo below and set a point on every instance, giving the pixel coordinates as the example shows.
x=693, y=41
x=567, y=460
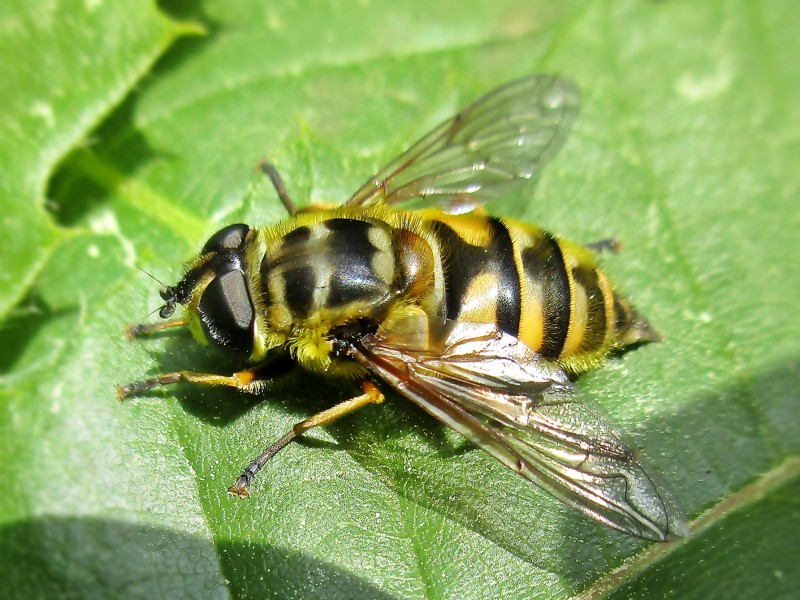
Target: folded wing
x=522, y=409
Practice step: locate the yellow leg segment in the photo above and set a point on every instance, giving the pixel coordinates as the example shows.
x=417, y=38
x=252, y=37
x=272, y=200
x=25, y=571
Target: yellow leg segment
x=135, y=331
x=242, y=380
x=371, y=395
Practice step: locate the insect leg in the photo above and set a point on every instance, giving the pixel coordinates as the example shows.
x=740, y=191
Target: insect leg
x=243, y=380
x=251, y=380
x=271, y=172
x=287, y=201
x=371, y=395
x=610, y=244
x=143, y=329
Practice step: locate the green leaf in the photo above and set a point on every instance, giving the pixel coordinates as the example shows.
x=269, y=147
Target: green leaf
x=685, y=150
x=65, y=66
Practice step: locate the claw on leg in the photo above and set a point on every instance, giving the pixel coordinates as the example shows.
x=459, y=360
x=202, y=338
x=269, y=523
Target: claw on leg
x=371, y=395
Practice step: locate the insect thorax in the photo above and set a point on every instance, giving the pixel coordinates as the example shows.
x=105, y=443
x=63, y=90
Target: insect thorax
x=329, y=270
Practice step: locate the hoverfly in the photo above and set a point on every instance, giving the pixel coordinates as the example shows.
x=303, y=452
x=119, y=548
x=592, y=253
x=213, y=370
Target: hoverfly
x=479, y=320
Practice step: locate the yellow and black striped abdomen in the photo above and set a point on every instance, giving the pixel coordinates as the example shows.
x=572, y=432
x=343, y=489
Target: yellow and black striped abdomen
x=569, y=302
x=547, y=292
x=479, y=271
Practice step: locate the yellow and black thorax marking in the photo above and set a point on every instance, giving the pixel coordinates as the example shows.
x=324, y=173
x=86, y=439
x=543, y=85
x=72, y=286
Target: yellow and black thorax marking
x=329, y=271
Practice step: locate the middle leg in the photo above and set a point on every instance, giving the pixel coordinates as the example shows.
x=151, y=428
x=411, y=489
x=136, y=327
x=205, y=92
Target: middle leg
x=371, y=395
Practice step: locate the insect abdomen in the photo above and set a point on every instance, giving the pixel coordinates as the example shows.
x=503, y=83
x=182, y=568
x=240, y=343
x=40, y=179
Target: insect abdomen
x=479, y=271
x=547, y=292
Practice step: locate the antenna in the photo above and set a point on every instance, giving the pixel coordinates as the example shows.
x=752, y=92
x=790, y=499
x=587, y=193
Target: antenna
x=151, y=276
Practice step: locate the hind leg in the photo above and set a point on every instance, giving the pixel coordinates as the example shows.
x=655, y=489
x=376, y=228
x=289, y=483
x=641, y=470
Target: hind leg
x=610, y=244
x=277, y=182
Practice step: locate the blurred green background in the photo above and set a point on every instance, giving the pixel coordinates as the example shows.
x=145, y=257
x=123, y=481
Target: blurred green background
x=130, y=131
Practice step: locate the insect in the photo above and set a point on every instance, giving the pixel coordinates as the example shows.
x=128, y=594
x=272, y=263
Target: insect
x=479, y=320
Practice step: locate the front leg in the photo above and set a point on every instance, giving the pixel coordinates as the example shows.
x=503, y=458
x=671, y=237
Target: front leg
x=251, y=380
x=242, y=380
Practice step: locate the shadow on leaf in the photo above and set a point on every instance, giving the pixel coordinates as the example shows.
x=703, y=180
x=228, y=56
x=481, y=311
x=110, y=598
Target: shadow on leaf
x=71, y=557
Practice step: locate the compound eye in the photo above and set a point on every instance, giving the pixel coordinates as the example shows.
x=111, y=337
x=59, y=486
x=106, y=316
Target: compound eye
x=227, y=313
x=227, y=238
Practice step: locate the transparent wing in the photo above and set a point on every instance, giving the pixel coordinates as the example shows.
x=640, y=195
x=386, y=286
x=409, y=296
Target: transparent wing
x=499, y=140
x=522, y=410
